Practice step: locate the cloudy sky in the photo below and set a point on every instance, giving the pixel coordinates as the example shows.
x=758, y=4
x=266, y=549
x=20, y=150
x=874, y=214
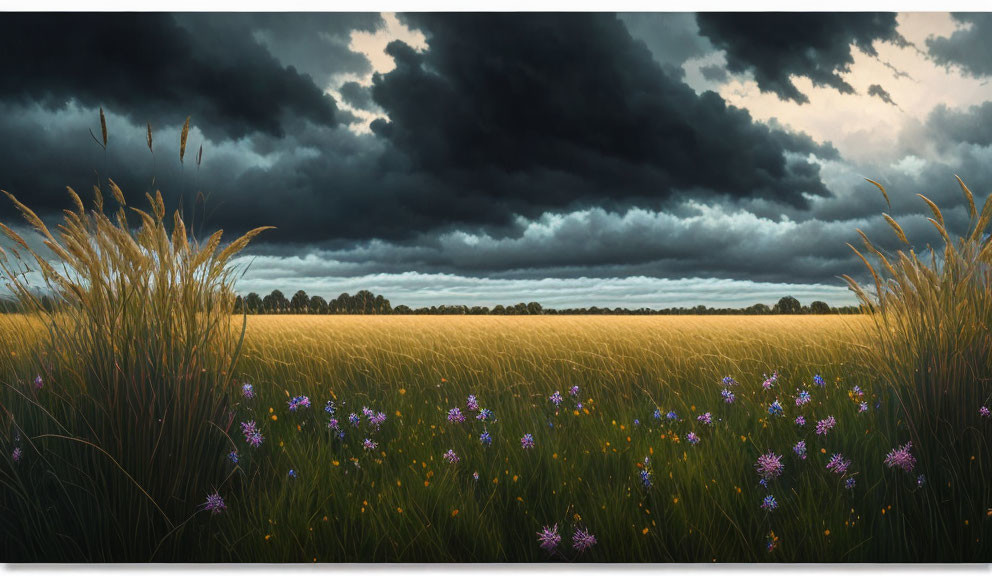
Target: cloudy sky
x=574, y=159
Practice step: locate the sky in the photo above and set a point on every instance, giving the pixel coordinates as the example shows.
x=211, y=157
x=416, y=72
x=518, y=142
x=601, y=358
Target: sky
x=584, y=159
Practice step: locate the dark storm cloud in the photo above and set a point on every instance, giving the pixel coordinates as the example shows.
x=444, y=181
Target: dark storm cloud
x=714, y=73
x=881, y=93
x=815, y=45
x=150, y=68
x=671, y=37
x=314, y=43
x=972, y=126
x=357, y=96
x=969, y=47
x=528, y=112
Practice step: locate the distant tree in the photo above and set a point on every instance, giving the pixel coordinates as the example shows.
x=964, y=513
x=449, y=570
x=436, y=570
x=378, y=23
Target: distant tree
x=253, y=303
x=788, y=305
x=239, y=304
x=402, y=309
x=300, y=304
x=275, y=302
x=758, y=309
x=318, y=305
x=819, y=307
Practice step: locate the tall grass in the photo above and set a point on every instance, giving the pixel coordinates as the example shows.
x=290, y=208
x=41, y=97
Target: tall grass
x=122, y=408
x=932, y=348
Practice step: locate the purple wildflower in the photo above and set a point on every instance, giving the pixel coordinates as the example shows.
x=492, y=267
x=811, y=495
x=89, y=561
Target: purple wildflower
x=247, y=391
x=856, y=391
x=803, y=398
x=728, y=381
x=862, y=407
x=451, y=457
x=582, y=540
x=472, y=405
x=769, y=382
x=233, y=456
x=728, y=396
x=920, y=481
x=455, y=416
x=16, y=455
x=800, y=449
x=984, y=412
x=769, y=503
x=485, y=438
x=849, y=483
x=800, y=420
x=369, y=444
x=838, y=464
x=38, y=382
x=252, y=434
x=333, y=424
x=527, y=441
x=825, y=425
x=475, y=476
x=367, y=412
x=548, y=538
x=769, y=466
x=215, y=504
x=573, y=391
x=354, y=419
x=556, y=398
x=819, y=381
x=485, y=415
x=901, y=458
x=691, y=438
x=298, y=402
x=705, y=418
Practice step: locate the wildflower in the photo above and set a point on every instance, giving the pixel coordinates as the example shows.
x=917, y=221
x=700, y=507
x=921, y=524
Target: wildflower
x=582, y=540
x=367, y=412
x=548, y=538
x=920, y=481
x=849, y=483
x=16, y=455
x=472, y=405
x=333, y=424
x=728, y=381
x=800, y=449
x=292, y=474
x=354, y=419
x=769, y=466
x=455, y=416
x=485, y=438
x=645, y=478
x=691, y=438
x=475, y=476
x=763, y=483
x=657, y=414
x=728, y=396
x=233, y=456
x=485, y=415
x=769, y=503
x=803, y=398
x=215, y=504
x=984, y=412
x=705, y=418
x=38, y=382
x=330, y=408
x=252, y=434
x=838, y=464
x=574, y=391
x=775, y=409
x=369, y=445
x=819, y=381
x=556, y=398
x=451, y=457
x=637, y=422
x=772, y=541
x=901, y=458
x=578, y=406
x=856, y=392
x=862, y=407
x=825, y=425
x=672, y=415
x=527, y=441
x=298, y=402
x=247, y=391
x=769, y=382
x=800, y=420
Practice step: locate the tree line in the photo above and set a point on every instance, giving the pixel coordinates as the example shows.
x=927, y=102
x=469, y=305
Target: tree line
x=365, y=302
